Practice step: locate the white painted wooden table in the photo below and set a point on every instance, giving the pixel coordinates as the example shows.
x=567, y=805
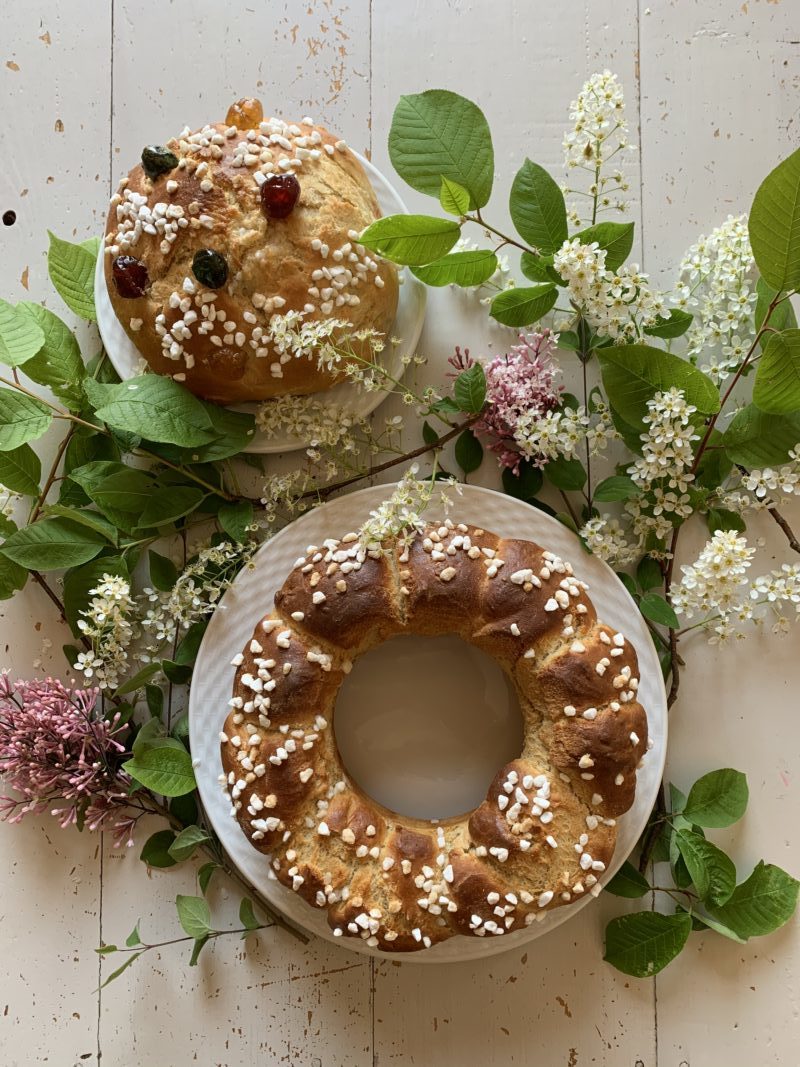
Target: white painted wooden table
x=712, y=90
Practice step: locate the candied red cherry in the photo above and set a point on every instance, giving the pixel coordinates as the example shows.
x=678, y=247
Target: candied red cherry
x=210, y=268
x=131, y=279
x=279, y=194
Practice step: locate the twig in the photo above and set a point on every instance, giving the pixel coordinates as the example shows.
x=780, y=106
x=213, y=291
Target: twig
x=40, y=500
x=791, y=537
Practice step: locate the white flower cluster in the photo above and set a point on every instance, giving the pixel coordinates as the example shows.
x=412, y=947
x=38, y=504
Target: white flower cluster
x=713, y=582
x=401, y=513
x=598, y=133
x=717, y=285
x=784, y=480
x=607, y=539
x=717, y=587
x=8, y=502
x=193, y=597
x=617, y=304
x=331, y=341
x=322, y=425
x=109, y=624
x=555, y=433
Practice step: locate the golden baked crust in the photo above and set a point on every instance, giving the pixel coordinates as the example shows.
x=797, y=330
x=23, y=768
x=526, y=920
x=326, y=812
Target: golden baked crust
x=217, y=342
x=546, y=828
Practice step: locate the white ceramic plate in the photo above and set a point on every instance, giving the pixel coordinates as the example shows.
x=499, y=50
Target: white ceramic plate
x=251, y=596
x=127, y=359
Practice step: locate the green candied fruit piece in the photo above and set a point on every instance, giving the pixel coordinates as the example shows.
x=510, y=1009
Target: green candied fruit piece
x=156, y=160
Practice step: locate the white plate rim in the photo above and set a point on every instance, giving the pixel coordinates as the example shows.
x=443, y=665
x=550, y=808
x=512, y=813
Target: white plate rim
x=409, y=320
x=227, y=634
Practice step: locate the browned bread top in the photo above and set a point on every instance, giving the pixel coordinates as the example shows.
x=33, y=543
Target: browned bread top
x=218, y=341
x=547, y=826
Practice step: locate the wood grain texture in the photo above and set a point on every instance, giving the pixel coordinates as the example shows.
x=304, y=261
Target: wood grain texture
x=712, y=97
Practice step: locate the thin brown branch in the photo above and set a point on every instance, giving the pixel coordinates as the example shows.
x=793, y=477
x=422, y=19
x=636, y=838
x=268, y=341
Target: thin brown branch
x=40, y=500
x=791, y=536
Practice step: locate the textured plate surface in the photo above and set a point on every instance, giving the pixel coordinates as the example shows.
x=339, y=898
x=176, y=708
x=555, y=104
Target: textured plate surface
x=128, y=361
x=251, y=596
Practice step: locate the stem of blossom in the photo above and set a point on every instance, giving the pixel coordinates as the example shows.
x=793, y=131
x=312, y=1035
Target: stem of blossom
x=143, y=946
x=477, y=218
x=327, y=490
x=791, y=537
x=40, y=500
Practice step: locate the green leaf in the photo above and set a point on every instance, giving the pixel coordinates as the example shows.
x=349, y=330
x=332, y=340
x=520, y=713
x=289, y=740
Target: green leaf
x=617, y=487
x=198, y=946
x=154, y=695
x=134, y=956
x=648, y=574
x=774, y=225
x=721, y=519
x=438, y=134
x=177, y=673
x=187, y=842
x=715, y=464
x=164, y=766
x=12, y=577
x=155, y=852
x=717, y=799
x=756, y=439
x=673, y=325
x=525, y=306
x=104, y=950
x=189, y=646
x=21, y=470
x=167, y=505
x=429, y=435
x=782, y=317
x=133, y=937
x=235, y=518
x=93, y=519
x=233, y=429
x=468, y=451
x=469, y=389
x=628, y=882
x=194, y=915
x=761, y=904
x=20, y=337
x=537, y=209
x=538, y=269
x=717, y=927
x=633, y=374
x=184, y=808
x=453, y=197
x=115, y=487
x=656, y=609
x=163, y=572
x=157, y=409
x=526, y=484
x=247, y=916
x=21, y=419
x=150, y=731
x=79, y=580
x=51, y=544
x=566, y=474
x=466, y=269
x=776, y=389
x=58, y=363
x=616, y=238
x=713, y=873
x=71, y=269
x=411, y=239
x=643, y=944
x=139, y=679
x=204, y=875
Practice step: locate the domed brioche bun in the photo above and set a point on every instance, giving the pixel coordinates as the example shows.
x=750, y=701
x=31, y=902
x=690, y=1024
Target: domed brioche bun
x=217, y=341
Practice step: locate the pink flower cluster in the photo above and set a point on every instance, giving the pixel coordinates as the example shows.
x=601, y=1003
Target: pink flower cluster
x=58, y=753
x=520, y=382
